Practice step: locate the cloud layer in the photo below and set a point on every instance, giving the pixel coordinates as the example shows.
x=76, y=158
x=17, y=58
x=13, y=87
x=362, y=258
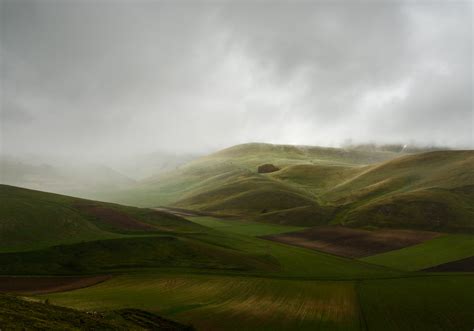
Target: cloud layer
x=119, y=78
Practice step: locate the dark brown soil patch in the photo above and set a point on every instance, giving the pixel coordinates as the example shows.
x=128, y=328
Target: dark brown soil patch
x=353, y=243
x=266, y=168
x=463, y=265
x=38, y=285
x=113, y=217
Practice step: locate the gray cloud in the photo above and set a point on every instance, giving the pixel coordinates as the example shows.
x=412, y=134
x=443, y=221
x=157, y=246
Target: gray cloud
x=113, y=78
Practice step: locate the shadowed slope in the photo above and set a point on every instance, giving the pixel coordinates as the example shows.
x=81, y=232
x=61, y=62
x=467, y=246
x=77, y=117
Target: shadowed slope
x=33, y=219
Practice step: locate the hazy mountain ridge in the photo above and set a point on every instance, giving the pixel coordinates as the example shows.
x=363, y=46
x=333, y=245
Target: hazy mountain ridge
x=360, y=187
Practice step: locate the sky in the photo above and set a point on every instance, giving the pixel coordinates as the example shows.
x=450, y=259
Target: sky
x=96, y=79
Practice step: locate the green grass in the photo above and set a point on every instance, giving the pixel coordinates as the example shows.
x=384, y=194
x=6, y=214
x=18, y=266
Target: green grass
x=249, y=228
x=230, y=303
x=315, y=186
x=22, y=314
x=31, y=220
x=428, y=254
x=294, y=262
x=246, y=303
x=131, y=255
x=233, y=164
x=420, y=303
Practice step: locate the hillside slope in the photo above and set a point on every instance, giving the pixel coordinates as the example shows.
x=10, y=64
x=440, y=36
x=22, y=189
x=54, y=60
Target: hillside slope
x=432, y=190
x=19, y=314
x=44, y=233
x=32, y=219
x=361, y=187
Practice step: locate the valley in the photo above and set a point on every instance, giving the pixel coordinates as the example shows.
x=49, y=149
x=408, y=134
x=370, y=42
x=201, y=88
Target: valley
x=334, y=239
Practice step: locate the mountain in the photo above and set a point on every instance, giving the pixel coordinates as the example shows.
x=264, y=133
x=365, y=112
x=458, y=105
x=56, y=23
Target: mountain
x=85, y=180
x=359, y=186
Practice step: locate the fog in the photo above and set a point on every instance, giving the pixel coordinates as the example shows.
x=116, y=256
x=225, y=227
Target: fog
x=105, y=81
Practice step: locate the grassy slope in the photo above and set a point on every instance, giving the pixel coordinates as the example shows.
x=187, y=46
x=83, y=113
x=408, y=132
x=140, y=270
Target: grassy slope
x=19, y=314
x=32, y=220
x=130, y=255
x=249, y=228
x=171, y=243
x=431, y=253
x=235, y=303
x=433, y=190
x=227, y=303
x=237, y=164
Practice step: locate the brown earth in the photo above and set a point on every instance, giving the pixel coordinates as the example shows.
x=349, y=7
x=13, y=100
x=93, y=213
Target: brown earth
x=463, y=265
x=353, y=243
x=113, y=217
x=39, y=285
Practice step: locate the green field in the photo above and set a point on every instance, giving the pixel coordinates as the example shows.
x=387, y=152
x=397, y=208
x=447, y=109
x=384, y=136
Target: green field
x=236, y=303
x=421, y=303
x=428, y=254
x=33, y=314
x=253, y=229
x=233, y=303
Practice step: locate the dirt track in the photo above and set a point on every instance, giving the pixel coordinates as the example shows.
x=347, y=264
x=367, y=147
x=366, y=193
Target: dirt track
x=38, y=285
x=353, y=243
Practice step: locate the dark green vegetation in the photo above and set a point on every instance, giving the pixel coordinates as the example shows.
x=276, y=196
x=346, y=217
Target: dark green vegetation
x=422, y=303
x=21, y=314
x=219, y=273
x=236, y=303
x=33, y=219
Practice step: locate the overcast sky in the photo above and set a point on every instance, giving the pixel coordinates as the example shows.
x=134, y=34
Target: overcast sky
x=91, y=78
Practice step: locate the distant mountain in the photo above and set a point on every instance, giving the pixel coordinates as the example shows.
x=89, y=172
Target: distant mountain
x=147, y=165
x=79, y=180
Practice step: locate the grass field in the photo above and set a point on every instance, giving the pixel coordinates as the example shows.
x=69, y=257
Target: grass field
x=31, y=220
x=231, y=303
x=294, y=262
x=237, y=303
x=428, y=254
x=419, y=303
x=253, y=229
x=27, y=314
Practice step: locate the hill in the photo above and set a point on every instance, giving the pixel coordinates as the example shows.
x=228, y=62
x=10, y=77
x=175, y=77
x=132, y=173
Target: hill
x=17, y=313
x=44, y=233
x=358, y=186
x=235, y=165
x=33, y=219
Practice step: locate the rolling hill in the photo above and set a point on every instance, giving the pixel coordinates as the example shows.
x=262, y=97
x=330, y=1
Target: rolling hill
x=18, y=313
x=359, y=187
x=45, y=233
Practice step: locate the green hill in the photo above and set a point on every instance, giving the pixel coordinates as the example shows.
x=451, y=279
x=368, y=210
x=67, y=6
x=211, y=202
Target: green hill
x=44, y=233
x=234, y=163
x=315, y=185
x=430, y=190
x=19, y=314
x=32, y=219
x=356, y=186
